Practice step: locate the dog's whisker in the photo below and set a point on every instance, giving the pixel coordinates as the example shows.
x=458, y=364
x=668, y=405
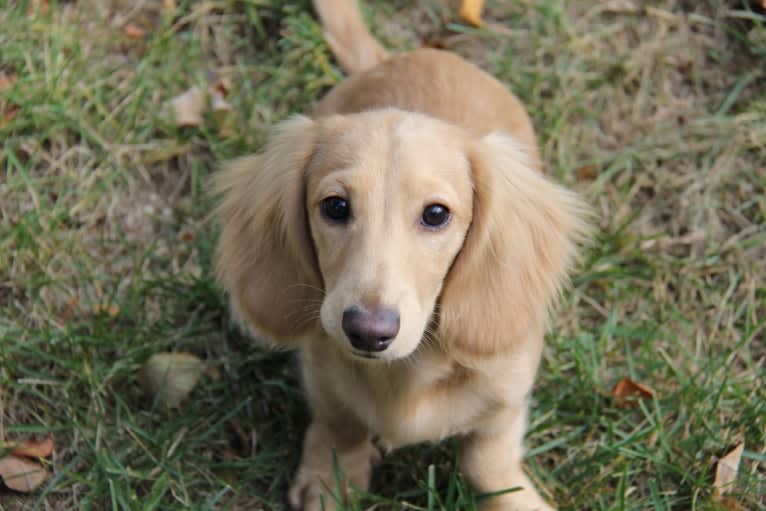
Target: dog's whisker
x=307, y=286
x=303, y=301
x=305, y=320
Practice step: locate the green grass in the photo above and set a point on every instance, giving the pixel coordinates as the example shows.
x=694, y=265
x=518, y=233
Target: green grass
x=102, y=204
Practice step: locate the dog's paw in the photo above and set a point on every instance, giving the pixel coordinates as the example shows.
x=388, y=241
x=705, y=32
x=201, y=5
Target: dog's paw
x=524, y=500
x=314, y=487
x=309, y=490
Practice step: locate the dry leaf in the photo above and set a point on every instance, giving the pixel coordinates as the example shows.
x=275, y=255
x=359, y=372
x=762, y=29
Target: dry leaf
x=168, y=378
x=586, y=173
x=227, y=128
x=34, y=448
x=169, y=5
x=188, y=107
x=22, y=474
x=728, y=504
x=133, y=31
x=70, y=309
x=7, y=81
x=470, y=11
x=218, y=104
x=7, y=113
x=220, y=84
x=186, y=235
x=626, y=392
x=433, y=42
x=726, y=471
x=111, y=310
x=41, y=6
x=222, y=114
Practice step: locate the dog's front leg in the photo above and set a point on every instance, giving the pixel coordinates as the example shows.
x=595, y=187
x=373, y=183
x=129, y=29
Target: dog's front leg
x=492, y=461
x=315, y=482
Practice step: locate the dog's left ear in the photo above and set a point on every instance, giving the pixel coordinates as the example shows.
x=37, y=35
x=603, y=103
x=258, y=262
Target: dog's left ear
x=265, y=257
x=517, y=254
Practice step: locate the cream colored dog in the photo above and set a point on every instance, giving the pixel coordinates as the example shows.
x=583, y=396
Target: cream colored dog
x=406, y=242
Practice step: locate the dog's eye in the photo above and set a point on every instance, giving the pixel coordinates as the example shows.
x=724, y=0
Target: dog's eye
x=435, y=215
x=336, y=209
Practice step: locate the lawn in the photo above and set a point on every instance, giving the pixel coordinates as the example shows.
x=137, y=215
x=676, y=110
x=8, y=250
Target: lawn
x=654, y=110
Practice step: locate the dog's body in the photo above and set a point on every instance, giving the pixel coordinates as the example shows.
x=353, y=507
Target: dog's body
x=407, y=223
x=439, y=84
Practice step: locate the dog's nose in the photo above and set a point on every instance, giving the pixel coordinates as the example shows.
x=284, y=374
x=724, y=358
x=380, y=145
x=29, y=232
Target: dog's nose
x=370, y=330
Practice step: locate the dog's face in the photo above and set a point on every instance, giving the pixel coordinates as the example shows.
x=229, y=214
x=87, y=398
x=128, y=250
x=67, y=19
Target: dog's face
x=360, y=224
x=388, y=209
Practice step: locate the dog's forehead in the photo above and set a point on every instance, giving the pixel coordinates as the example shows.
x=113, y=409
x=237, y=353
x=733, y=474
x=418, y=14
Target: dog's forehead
x=390, y=142
x=418, y=142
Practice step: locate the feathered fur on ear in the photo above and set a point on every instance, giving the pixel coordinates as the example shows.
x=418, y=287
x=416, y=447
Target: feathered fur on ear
x=265, y=257
x=516, y=257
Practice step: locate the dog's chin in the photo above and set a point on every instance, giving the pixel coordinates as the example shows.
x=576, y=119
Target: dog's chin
x=366, y=356
x=389, y=355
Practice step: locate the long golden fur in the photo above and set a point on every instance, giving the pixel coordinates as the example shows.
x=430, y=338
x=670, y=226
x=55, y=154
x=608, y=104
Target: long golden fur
x=472, y=295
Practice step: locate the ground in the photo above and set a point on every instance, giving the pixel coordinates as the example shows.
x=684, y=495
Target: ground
x=655, y=111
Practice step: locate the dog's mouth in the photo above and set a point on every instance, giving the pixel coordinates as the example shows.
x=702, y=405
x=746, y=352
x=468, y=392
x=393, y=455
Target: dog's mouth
x=365, y=354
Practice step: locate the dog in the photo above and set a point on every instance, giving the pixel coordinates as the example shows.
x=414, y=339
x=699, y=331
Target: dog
x=406, y=242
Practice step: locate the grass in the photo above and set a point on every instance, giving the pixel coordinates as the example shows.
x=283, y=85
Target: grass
x=655, y=111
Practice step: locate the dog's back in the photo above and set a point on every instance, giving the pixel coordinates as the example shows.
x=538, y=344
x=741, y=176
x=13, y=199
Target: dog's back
x=434, y=82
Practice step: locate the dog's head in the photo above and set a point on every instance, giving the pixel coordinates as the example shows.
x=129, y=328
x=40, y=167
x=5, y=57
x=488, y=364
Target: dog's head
x=387, y=228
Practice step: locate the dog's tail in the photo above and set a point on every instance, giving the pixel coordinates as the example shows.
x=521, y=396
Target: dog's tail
x=350, y=40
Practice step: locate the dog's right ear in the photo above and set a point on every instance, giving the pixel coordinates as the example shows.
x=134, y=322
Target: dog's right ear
x=265, y=256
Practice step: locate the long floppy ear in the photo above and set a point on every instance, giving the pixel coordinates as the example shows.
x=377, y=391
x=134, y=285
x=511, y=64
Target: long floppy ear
x=265, y=257
x=515, y=260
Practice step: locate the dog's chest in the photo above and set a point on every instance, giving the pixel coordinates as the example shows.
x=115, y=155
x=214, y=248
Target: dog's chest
x=425, y=401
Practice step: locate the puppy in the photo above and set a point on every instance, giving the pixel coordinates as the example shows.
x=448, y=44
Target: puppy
x=406, y=243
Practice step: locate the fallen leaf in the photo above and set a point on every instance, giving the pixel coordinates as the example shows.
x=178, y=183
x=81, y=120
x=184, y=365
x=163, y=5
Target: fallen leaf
x=188, y=107
x=34, y=448
x=222, y=114
x=7, y=81
x=626, y=392
x=470, y=11
x=227, y=128
x=726, y=471
x=586, y=173
x=111, y=310
x=728, y=504
x=168, y=378
x=70, y=309
x=133, y=31
x=169, y=5
x=218, y=103
x=186, y=235
x=8, y=112
x=434, y=42
x=41, y=6
x=220, y=84
x=22, y=474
